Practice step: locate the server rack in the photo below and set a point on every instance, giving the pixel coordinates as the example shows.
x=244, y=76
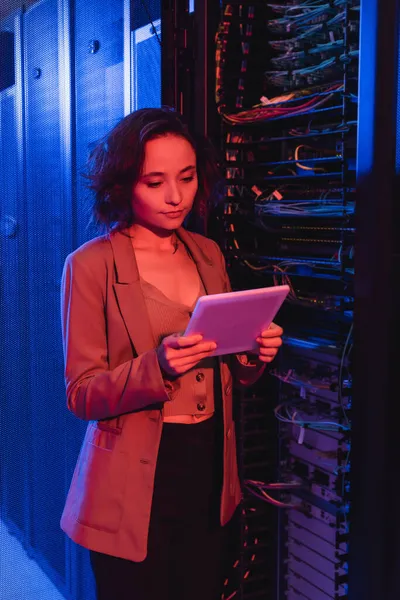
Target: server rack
x=286, y=90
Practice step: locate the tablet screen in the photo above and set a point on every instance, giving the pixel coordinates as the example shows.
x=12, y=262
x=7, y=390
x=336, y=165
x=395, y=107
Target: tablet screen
x=235, y=319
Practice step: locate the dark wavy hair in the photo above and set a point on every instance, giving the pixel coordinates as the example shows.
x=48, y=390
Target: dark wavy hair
x=115, y=164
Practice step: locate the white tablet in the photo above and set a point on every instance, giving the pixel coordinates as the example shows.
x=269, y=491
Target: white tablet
x=235, y=319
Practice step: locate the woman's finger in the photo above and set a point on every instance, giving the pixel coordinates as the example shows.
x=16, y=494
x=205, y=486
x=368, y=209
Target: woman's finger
x=185, y=361
x=268, y=351
x=190, y=351
x=178, y=341
x=275, y=342
x=275, y=331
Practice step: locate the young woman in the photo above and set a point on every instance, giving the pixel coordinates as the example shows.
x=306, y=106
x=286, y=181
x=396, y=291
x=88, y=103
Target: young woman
x=156, y=479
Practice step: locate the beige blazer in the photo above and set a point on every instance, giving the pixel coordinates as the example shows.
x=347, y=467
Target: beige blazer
x=113, y=380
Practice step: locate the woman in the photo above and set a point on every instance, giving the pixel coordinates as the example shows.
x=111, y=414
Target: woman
x=156, y=479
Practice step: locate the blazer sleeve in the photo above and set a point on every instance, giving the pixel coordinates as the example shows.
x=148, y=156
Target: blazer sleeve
x=246, y=370
x=95, y=392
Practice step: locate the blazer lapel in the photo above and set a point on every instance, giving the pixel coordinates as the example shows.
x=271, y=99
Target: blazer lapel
x=129, y=294
x=209, y=272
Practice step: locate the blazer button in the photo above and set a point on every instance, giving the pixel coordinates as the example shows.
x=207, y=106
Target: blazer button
x=201, y=406
x=200, y=377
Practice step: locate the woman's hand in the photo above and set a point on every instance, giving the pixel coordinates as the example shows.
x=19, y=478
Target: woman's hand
x=269, y=343
x=177, y=354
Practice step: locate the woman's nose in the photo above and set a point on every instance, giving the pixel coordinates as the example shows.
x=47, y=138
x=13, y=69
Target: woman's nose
x=174, y=195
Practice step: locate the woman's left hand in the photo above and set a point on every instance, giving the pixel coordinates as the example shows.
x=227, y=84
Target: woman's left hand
x=269, y=343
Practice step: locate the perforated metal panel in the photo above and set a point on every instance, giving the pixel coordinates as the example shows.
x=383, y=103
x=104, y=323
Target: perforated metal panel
x=15, y=426
x=99, y=87
x=44, y=239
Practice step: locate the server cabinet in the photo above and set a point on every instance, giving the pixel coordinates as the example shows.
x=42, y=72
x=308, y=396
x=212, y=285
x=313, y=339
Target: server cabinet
x=46, y=219
x=15, y=435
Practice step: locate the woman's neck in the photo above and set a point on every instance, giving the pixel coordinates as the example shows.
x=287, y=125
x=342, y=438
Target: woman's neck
x=147, y=239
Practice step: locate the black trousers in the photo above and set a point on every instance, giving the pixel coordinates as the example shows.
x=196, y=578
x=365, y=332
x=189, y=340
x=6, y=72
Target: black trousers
x=186, y=546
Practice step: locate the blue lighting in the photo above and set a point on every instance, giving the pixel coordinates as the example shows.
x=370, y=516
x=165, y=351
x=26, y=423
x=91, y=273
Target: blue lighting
x=367, y=82
x=146, y=67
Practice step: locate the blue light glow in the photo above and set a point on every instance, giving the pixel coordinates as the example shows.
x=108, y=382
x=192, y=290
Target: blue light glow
x=146, y=67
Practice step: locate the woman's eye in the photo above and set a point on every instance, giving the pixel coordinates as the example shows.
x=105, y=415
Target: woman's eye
x=154, y=184
x=188, y=179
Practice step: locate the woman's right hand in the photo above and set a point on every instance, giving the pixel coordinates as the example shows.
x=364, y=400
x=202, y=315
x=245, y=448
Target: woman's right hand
x=177, y=354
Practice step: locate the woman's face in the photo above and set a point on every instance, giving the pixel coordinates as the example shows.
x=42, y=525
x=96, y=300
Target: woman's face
x=166, y=189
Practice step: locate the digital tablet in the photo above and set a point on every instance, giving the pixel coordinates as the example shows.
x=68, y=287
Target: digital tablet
x=235, y=319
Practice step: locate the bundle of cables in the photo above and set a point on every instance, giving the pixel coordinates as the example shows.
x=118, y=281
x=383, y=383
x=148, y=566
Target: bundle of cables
x=292, y=104
x=289, y=105
x=260, y=490
x=327, y=25
x=303, y=381
x=306, y=208
x=309, y=12
x=288, y=413
x=303, y=58
x=276, y=205
x=298, y=17
x=312, y=73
